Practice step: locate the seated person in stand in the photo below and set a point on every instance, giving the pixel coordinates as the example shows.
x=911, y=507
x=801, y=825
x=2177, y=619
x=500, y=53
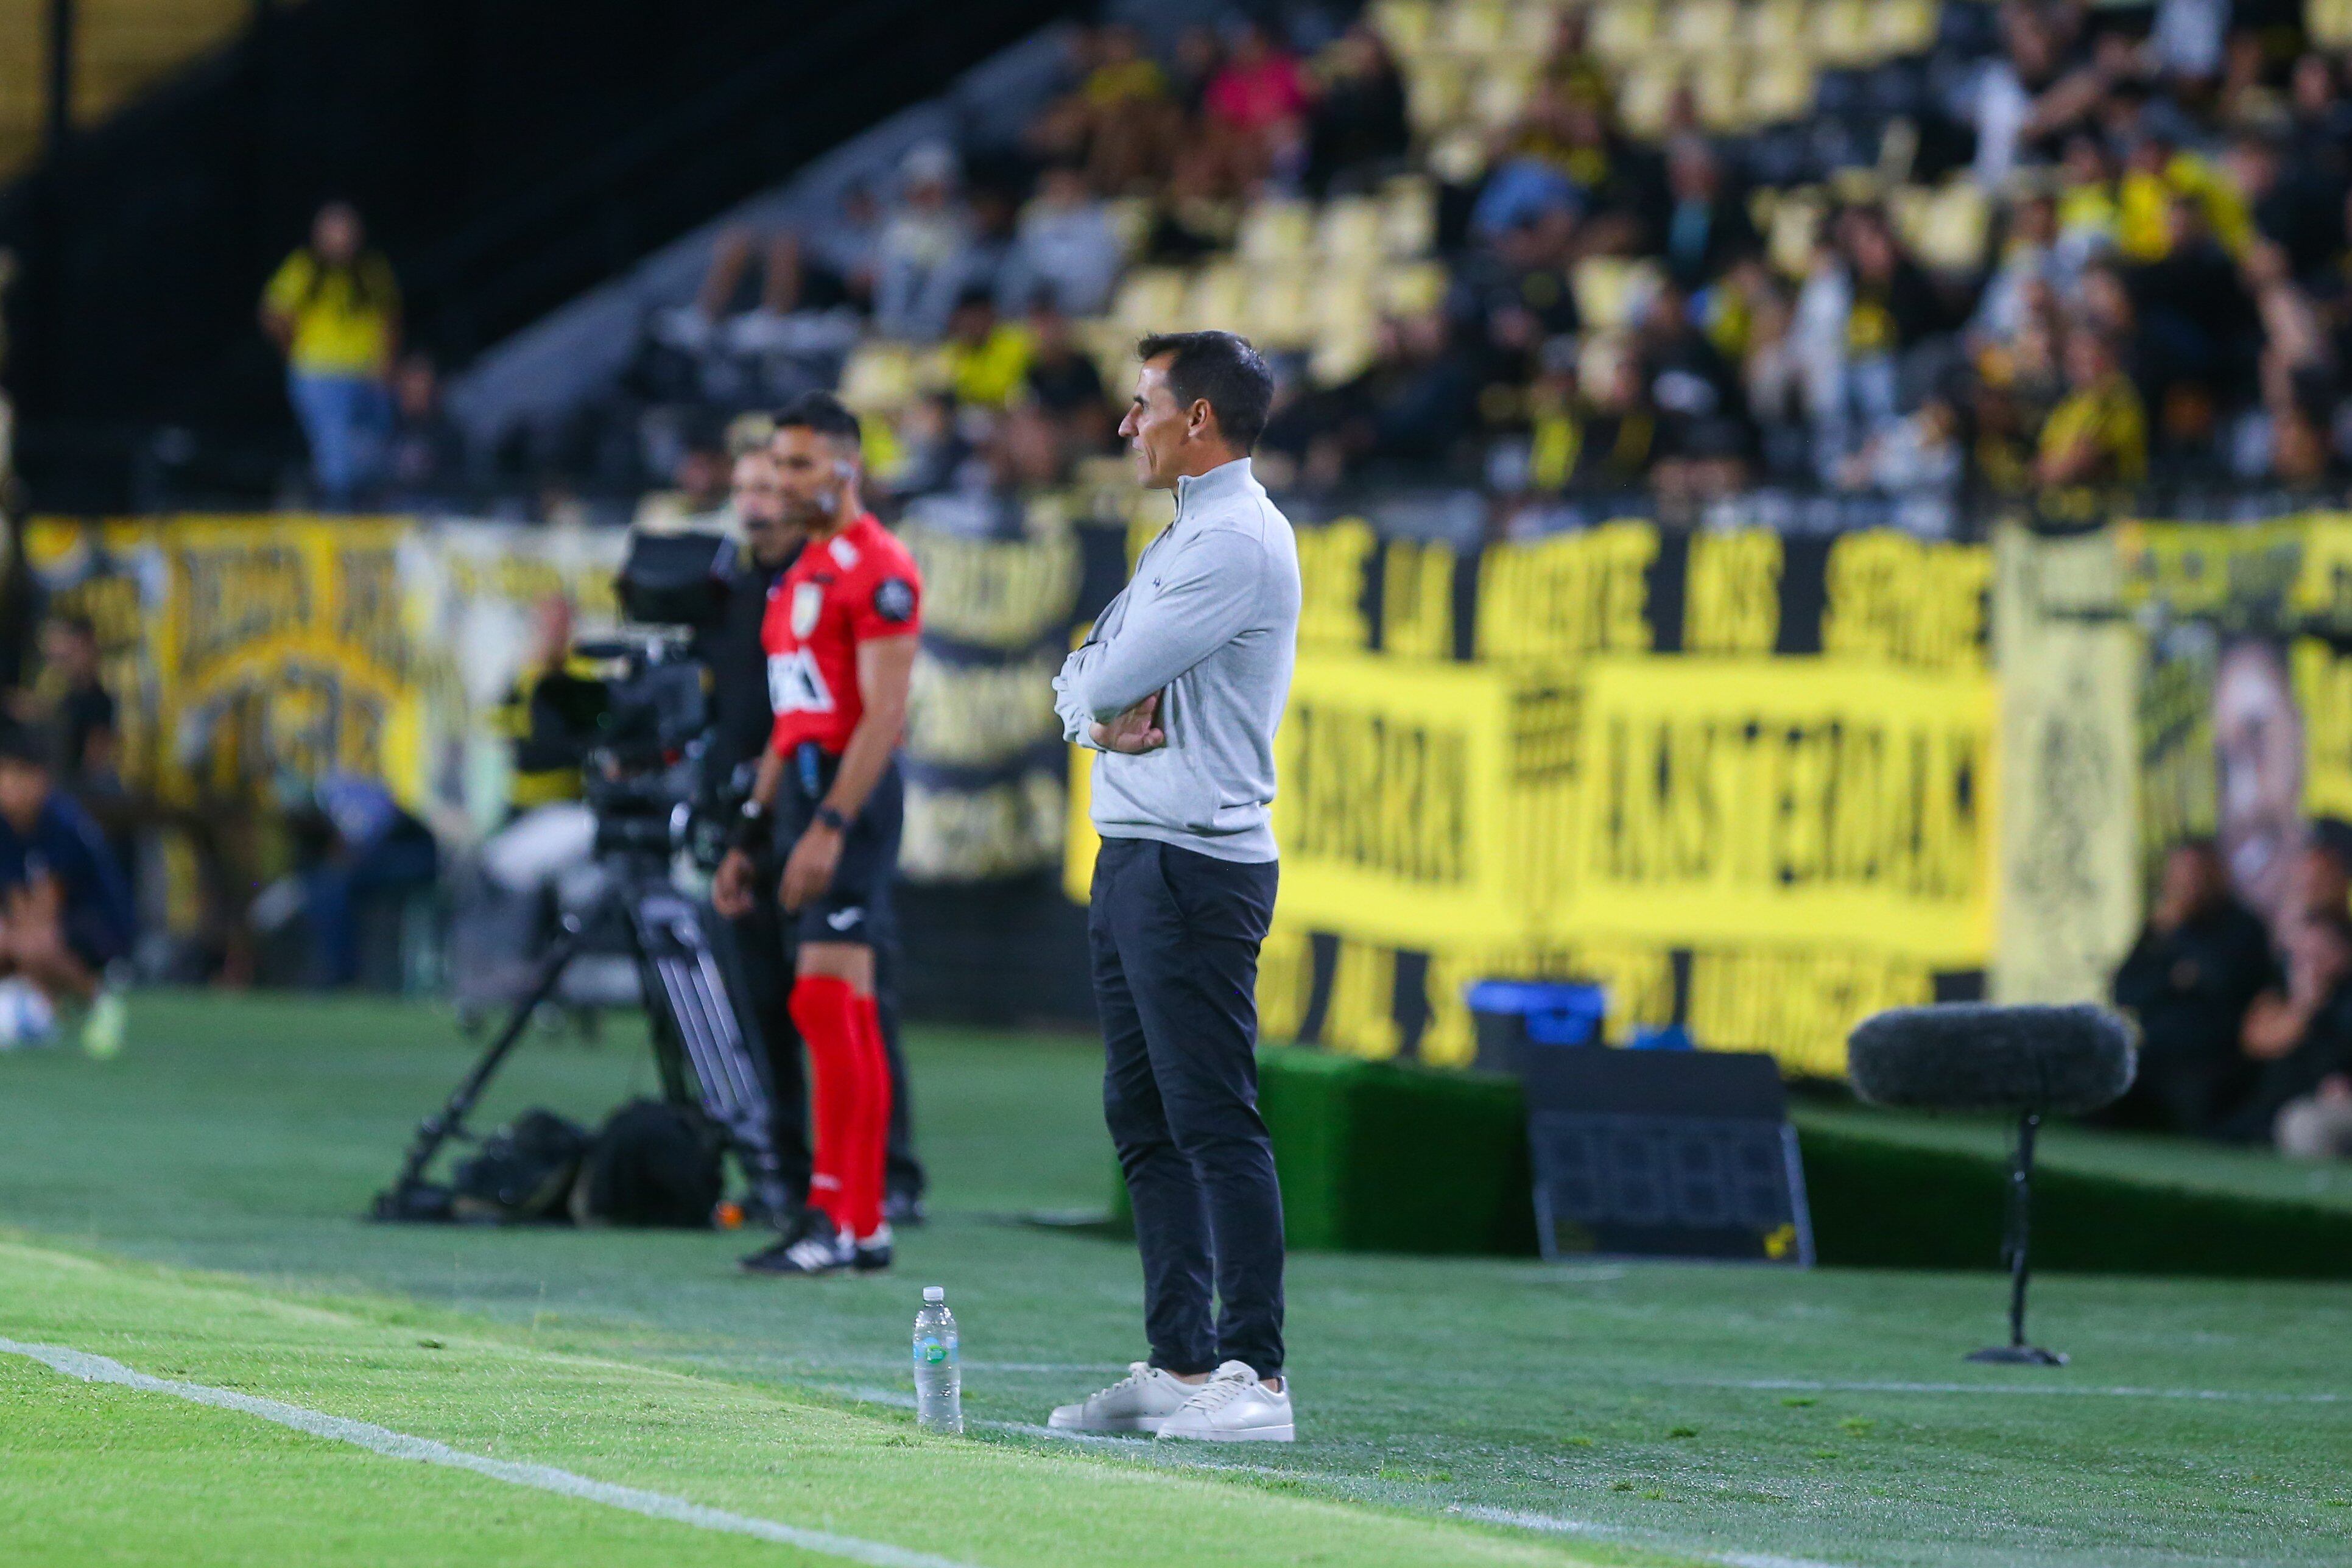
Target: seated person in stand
x=2316, y=1069
x=65, y=910
x=2317, y=885
x=2199, y=965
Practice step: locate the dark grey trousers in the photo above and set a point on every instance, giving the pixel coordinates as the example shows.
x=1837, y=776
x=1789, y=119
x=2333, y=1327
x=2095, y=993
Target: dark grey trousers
x=1174, y=936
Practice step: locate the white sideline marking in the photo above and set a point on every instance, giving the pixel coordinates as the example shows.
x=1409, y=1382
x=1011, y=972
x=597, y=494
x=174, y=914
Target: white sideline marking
x=1555, y=1525
x=1801, y=1385
x=545, y=1478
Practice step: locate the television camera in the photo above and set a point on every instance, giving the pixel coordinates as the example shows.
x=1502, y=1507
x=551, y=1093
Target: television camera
x=640, y=750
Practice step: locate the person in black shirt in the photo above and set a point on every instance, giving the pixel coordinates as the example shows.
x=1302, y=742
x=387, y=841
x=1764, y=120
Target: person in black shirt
x=1063, y=379
x=2198, y=966
x=2318, y=944
x=84, y=720
x=741, y=723
x=65, y=909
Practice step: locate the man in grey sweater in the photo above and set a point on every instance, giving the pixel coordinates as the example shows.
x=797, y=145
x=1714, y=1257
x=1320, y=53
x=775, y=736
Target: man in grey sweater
x=1178, y=689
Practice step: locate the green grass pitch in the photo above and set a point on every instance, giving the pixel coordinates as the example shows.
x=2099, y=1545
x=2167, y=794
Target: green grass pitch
x=189, y=1210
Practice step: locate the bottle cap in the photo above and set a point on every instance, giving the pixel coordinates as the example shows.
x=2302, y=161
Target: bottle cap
x=934, y=1293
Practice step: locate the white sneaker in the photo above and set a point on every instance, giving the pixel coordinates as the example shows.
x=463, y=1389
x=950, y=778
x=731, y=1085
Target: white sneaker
x=1233, y=1406
x=1139, y=1402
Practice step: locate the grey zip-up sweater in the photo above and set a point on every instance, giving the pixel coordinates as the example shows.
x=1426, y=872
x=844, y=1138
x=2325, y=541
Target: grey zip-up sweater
x=1209, y=620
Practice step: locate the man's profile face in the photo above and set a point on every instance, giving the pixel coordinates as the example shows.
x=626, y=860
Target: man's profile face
x=23, y=791
x=759, y=502
x=811, y=472
x=1155, y=426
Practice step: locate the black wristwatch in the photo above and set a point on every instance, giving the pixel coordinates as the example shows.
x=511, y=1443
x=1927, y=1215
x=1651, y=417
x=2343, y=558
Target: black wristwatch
x=751, y=829
x=833, y=819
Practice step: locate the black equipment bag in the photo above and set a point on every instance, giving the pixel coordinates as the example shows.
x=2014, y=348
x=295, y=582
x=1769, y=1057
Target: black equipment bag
x=653, y=1163
x=522, y=1172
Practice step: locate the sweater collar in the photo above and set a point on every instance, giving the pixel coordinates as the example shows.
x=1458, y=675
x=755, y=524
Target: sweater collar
x=1224, y=481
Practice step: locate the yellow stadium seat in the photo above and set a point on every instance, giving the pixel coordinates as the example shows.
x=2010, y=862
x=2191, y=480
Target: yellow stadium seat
x=1530, y=32
x=1473, y=28
x=1347, y=324
x=1794, y=225
x=1274, y=230
x=1702, y=27
x=1131, y=221
x=1612, y=290
x=1773, y=29
x=1778, y=89
x=1644, y=96
x=1111, y=346
x=1623, y=29
x=879, y=377
x=1947, y=228
x=1900, y=27
x=1499, y=94
x=2329, y=22
x=1219, y=297
x=1411, y=288
x=1436, y=89
x=1283, y=311
x=1340, y=356
x=1149, y=298
x=1840, y=31
x=1408, y=216
x=1348, y=236
x=1719, y=88
x=1403, y=26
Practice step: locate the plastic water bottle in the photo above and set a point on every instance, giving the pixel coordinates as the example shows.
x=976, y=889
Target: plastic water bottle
x=939, y=1376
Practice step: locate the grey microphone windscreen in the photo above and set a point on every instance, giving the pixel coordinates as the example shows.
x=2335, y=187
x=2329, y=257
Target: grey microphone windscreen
x=1973, y=1056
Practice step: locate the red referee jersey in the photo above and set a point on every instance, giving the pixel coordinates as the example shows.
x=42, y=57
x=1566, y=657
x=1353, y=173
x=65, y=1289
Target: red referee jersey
x=859, y=585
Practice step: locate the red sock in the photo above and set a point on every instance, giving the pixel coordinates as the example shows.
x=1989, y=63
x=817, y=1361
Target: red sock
x=826, y=1010
x=872, y=1116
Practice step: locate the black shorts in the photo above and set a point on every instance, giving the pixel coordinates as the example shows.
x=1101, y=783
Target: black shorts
x=859, y=902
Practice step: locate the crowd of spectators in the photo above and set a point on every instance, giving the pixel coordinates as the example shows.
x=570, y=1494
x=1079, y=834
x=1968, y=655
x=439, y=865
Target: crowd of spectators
x=2069, y=246
x=2246, y=1019
x=66, y=915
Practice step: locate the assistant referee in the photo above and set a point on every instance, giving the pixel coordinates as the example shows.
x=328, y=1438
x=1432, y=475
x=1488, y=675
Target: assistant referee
x=1180, y=688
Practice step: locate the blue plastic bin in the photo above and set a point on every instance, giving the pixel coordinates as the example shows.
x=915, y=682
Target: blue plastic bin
x=1515, y=1015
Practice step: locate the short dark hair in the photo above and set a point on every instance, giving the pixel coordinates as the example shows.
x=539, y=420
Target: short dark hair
x=26, y=744
x=1224, y=372
x=822, y=412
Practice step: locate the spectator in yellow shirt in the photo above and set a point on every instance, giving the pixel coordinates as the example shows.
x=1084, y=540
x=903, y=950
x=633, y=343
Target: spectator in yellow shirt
x=984, y=360
x=334, y=309
x=2098, y=433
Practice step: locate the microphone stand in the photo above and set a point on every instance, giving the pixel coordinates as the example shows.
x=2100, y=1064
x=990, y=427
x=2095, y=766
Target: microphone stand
x=2018, y=1233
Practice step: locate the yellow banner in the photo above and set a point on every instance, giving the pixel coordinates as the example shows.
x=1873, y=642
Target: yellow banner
x=1392, y=812
x=262, y=648
x=2071, y=770
x=1730, y=801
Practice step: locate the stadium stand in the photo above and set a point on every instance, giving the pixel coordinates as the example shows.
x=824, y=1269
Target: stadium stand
x=1844, y=261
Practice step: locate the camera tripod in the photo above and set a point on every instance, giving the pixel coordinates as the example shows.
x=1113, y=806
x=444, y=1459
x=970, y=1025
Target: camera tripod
x=697, y=1035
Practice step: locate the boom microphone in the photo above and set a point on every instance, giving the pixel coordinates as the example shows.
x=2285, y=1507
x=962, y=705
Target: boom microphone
x=1973, y=1056
x=2028, y=1062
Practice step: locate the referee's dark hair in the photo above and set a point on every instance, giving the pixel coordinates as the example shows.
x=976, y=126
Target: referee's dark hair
x=822, y=412
x=1224, y=372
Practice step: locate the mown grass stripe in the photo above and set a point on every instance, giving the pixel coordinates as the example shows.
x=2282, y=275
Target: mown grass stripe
x=394, y=1445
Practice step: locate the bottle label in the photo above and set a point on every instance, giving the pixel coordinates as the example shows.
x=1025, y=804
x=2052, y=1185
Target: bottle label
x=933, y=1353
